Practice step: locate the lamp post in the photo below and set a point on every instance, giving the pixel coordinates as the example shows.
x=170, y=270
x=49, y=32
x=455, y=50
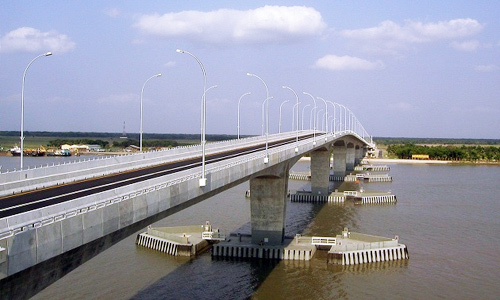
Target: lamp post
x=340, y=115
x=142, y=92
x=326, y=112
x=303, y=109
x=279, y=123
x=297, y=104
x=22, y=103
x=314, y=122
x=245, y=94
x=317, y=118
x=293, y=116
x=326, y=116
x=203, y=179
x=267, y=96
x=266, y=159
x=333, y=104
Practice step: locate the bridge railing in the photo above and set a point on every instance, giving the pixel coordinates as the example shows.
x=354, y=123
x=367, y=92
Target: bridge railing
x=13, y=182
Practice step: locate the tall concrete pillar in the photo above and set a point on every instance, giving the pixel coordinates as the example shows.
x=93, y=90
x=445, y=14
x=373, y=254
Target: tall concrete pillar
x=320, y=172
x=358, y=154
x=350, y=157
x=268, y=209
x=339, y=158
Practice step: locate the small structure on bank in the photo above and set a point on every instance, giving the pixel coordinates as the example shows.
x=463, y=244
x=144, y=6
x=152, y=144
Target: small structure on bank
x=180, y=240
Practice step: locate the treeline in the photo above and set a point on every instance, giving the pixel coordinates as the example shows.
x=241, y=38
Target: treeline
x=147, y=143
x=469, y=153
x=150, y=136
x=439, y=141
x=58, y=142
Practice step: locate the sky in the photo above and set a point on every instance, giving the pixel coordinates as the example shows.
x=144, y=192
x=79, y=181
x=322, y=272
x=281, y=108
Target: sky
x=403, y=68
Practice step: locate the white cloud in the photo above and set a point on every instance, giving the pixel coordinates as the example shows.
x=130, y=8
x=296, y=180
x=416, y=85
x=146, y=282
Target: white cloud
x=389, y=37
x=337, y=63
x=260, y=25
x=418, y=32
x=486, y=68
x=27, y=39
x=468, y=46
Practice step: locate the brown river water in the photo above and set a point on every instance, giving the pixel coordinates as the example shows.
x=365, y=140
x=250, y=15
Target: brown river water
x=448, y=216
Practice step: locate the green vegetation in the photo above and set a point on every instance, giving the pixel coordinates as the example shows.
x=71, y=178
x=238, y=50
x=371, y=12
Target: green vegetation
x=109, y=141
x=459, y=153
x=111, y=135
x=435, y=141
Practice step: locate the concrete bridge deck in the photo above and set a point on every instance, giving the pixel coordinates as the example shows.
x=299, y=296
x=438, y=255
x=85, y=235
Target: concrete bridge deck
x=55, y=218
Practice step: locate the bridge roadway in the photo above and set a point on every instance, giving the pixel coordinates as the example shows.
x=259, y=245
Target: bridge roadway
x=26, y=201
x=53, y=219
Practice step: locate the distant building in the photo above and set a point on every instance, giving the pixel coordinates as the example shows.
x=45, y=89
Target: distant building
x=95, y=148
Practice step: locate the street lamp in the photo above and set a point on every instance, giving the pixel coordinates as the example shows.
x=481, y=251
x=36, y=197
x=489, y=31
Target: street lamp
x=317, y=118
x=239, y=112
x=340, y=115
x=203, y=179
x=333, y=104
x=314, y=129
x=297, y=104
x=22, y=103
x=266, y=159
x=326, y=112
x=303, y=109
x=142, y=92
x=279, y=123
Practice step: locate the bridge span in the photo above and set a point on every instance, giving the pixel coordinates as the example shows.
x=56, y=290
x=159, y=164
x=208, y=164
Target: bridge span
x=52, y=219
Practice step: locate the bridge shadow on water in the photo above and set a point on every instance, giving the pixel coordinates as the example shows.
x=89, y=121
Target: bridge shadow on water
x=206, y=277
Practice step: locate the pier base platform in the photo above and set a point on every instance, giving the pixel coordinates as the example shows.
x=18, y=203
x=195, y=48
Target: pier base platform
x=240, y=246
x=353, y=248
x=180, y=240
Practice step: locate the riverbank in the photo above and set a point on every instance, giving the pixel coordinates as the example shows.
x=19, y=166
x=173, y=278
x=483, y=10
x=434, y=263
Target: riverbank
x=427, y=161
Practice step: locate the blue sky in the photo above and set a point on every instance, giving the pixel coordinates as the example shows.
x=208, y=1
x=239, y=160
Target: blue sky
x=404, y=68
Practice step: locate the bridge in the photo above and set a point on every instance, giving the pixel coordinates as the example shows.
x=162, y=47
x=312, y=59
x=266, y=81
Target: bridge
x=54, y=218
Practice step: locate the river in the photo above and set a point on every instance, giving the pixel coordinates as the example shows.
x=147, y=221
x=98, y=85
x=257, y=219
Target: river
x=448, y=216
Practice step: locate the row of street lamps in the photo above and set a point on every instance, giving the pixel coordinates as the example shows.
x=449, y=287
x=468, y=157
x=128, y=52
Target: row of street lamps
x=350, y=123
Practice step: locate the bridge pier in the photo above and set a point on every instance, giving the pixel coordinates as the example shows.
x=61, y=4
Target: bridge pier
x=320, y=172
x=339, y=159
x=268, y=207
x=350, y=157
x=358, y=154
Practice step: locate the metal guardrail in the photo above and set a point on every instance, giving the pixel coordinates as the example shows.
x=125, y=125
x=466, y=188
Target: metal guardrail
x=323, y=241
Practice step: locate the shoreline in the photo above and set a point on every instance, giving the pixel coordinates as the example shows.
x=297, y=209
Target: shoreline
x=427, y=161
